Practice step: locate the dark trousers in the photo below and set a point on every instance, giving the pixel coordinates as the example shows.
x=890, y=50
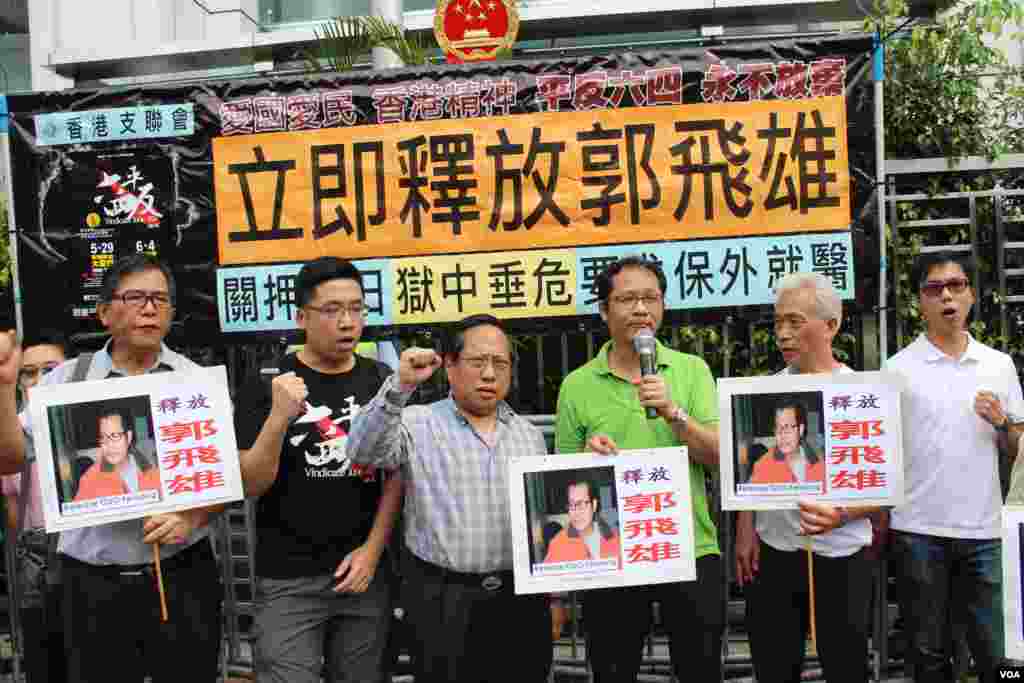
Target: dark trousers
x=693, y=612
x=778, y=608
x=302, y=623
x=113, y=632
x=950, y=580
x=43, y=640
x=464, y=633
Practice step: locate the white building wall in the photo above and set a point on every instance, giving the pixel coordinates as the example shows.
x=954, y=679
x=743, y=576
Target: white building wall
x=105, y=30
x=102, y=39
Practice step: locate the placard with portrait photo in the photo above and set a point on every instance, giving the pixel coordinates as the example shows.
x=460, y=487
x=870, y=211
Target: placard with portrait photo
x=834, y=437
x=129, y=447
x=592, y=521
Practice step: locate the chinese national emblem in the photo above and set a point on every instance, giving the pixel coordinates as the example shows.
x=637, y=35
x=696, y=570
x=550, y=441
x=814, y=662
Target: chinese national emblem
x=475, y=30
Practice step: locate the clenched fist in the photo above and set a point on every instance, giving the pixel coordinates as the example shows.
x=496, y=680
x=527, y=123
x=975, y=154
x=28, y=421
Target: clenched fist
x=288, y=396
x=416, y=366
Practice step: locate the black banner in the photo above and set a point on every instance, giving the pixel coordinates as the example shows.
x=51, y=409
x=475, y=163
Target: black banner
x=71, y=215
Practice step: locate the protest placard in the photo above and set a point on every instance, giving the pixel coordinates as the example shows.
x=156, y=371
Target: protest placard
x=1013, y=590
x=834, y=437
x=130, y=447
x=591, y=521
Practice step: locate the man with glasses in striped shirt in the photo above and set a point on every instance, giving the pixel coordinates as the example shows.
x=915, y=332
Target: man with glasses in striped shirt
x=454, y=457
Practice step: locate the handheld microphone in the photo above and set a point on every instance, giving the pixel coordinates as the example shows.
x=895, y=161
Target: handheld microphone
x=647, y=349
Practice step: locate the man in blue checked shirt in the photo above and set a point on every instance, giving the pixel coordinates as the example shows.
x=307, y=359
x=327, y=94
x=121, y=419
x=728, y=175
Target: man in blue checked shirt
x=454, y=459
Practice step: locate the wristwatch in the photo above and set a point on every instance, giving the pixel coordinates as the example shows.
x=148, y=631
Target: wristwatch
x=844, y=516
x=678, y=417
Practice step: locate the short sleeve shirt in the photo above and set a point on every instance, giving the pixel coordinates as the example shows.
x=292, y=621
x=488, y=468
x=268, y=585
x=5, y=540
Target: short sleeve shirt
x=950, y=454
x=593, y=400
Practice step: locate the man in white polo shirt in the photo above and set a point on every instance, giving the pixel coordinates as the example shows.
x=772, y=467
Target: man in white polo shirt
x=770, y=559
x=956, y=423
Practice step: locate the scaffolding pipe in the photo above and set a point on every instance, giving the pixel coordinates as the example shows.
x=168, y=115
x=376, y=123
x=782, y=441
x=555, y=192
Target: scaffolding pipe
x=883, y=309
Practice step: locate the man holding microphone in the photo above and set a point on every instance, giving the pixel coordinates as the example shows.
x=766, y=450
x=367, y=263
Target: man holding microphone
x=614, y=402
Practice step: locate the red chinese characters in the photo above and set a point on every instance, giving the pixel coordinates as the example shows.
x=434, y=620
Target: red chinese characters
x=718, y=84
x=858, y=479
x=655, y=502
x=188, y=457
x=856, y=455
x=196, y=482
x=179, y=431
x=843, y=430
x=662, y=526
x=854, y=464
x=653, y=552
x=786, y=80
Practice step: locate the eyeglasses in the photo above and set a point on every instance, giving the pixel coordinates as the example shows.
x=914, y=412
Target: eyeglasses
x=112, y=437
x=786, y=429
x=631, y=300
x=31, y=373
x=579, y=505
x=136, y=298
x=500, y=364
x=933, y=288
x=333, y=311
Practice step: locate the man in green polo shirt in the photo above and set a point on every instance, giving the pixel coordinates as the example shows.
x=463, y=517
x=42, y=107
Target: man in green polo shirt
x=601, y=408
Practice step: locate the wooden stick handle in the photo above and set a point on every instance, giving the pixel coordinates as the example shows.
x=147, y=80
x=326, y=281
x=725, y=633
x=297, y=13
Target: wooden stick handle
x=160, y=582
x=810, y=582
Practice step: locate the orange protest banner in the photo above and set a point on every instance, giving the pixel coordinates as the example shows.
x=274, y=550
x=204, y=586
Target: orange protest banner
x=543, y=180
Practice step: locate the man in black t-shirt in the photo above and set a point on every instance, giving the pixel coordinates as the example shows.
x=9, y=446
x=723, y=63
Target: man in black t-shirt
x=322, y=522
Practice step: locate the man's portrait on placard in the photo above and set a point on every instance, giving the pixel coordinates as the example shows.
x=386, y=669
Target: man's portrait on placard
x=103, y=448
x=778, y=439
x=572, y=515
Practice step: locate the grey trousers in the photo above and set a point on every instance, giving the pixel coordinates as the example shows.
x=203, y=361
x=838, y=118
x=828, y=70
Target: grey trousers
x=302, y=624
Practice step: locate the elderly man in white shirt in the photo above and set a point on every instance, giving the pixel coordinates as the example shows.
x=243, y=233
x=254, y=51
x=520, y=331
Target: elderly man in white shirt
x=808, y=314
x=956, y=425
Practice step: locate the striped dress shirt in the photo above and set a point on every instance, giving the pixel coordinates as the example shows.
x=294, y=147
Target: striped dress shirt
x=456, y=482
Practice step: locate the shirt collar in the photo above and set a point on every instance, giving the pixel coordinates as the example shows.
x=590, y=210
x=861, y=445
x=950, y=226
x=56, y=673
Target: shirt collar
x=504, y=410
x=602, y=367
x=933, y=354
x=103, y=362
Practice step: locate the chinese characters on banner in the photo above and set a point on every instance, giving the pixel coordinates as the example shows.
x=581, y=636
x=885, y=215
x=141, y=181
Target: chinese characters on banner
x=113, y=125
x=617, y=84
x=557, y=282
x=550, y=180
x=568, y=156
x=126, y=448
x=832, y=437
x=642, y=513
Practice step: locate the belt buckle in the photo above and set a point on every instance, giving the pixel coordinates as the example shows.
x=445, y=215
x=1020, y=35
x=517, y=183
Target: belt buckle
x=491, y=582
x=135, y=572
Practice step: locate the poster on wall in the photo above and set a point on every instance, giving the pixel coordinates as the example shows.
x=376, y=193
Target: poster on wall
x=107, y=206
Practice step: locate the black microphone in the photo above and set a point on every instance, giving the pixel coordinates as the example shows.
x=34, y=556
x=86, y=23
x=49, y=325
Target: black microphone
x=647, y=349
